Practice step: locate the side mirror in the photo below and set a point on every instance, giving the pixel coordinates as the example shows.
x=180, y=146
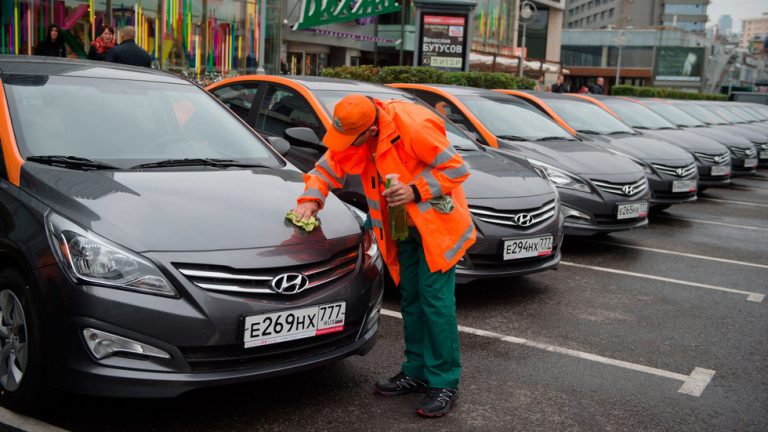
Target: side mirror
x=304, y=137
x=280, y=144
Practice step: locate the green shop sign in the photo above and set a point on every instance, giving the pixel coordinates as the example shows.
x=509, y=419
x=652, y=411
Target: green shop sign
x=322, y=12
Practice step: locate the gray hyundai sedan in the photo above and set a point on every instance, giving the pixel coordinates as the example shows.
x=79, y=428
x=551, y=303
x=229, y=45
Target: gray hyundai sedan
x=145, y=249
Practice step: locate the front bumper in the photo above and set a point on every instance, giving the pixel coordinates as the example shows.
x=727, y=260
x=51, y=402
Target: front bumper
x=661, y=190
x=599, y=212
x=201, y=331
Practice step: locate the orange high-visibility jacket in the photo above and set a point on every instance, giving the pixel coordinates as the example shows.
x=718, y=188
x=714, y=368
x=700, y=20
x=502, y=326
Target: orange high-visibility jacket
x=411, y=143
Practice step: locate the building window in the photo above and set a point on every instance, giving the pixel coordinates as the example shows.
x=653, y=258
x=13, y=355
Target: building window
x=685, y=9
x=610, y=13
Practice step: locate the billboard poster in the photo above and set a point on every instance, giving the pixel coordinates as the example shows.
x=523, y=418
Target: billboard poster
x=679, y=64
x=443, y=41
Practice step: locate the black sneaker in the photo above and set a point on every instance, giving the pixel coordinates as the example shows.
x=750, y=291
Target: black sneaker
x=437, y=402
x=400, y=384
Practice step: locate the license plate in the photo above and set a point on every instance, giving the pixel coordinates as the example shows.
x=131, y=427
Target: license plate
x=528, y=247
x=764, y=154
x=294, y=324
x=720, y=170
x=632, y=210
x=684, y=186
x=749, y=163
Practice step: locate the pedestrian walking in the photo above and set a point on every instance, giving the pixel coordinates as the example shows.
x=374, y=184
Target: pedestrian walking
x=103, y=43
x=128, y=52
x=559, y=85
x=53, y=44
x=374, y=139
x=598, y=87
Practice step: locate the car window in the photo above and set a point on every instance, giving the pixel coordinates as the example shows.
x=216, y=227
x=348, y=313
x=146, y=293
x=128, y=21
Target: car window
x=283, y=108
x=701, y=114
x=449, y=110
x=587, y=117
x=110, y=119
x=238, y=98
x=638, y=116
x=504, y=116
x=674, y=115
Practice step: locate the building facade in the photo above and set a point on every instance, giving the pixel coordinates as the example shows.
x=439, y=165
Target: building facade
x=689, y=15
x=725, y=25
x=754, y=28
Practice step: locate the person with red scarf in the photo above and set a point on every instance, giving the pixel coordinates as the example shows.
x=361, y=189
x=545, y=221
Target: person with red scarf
x=102, y=44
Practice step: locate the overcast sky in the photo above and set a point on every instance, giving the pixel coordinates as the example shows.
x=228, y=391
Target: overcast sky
x=738, y=9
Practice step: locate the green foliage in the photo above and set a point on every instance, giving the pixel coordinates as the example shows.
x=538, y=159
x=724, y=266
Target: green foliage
x=426, y=75
x=366, y=73
x=664, y=93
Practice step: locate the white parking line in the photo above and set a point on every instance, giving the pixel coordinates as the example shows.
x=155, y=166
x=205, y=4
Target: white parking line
x=713, y=223
x=722, y=260
x=24, y=423
x=693, y=384
x=751, y=296
x=733, y=202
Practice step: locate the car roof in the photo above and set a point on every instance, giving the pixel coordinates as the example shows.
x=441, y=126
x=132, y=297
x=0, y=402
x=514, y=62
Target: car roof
x=314, y=83
x=473, y=91
x=548, y=96
x=54, y=66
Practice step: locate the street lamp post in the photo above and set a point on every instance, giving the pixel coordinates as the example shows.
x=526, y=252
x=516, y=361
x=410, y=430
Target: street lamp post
x=262, y=36
x=527, y=12
x=621, y=42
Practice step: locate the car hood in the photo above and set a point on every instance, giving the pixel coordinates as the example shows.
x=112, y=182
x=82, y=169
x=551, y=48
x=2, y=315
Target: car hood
x=578, y=157
x=687, y=140
x=643, y=148
x=494, y=175
x=164, y=210
x=723, y=136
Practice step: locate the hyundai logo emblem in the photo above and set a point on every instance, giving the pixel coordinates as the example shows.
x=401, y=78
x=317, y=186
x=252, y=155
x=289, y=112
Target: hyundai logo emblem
x=628, y=189
x=720, y=159
x=680, y=172
x=524, y=219
x=750, y=152
x=290, y=283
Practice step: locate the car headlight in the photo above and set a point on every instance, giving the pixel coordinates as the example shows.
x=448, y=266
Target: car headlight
x=87, y=257
x=646, y=168
x=558, y=177
x=369, y=240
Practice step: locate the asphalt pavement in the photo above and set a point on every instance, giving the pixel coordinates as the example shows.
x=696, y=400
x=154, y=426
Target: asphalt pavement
x=656, y=329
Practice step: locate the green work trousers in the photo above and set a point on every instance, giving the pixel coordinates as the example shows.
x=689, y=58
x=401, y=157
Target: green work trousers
x=428, y=306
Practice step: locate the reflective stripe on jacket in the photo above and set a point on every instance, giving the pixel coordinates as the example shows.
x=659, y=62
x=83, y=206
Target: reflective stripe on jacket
x=413, y=144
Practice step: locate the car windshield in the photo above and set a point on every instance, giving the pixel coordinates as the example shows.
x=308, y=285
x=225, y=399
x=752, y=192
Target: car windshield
x=674, y=115
x=756, y=112
x=743, y=113
x=723, y=112
x=508, y=118
x=584, y=117
x=701, y=114
x=329, y=99
x=126, y=122
x=639, y=116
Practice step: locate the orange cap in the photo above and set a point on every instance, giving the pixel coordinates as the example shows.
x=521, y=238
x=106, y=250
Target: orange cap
x=351, y=117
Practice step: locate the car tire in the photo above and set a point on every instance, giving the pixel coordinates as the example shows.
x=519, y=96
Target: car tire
x=22, y=384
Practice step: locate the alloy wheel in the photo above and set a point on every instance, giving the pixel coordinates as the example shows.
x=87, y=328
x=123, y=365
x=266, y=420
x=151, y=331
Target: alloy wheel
x=13, y=341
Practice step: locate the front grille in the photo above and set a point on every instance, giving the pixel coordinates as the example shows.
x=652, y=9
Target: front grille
x=259, y=281
x=683, y=171
x=744, y=153
x=624, y=189
x=518, y=218
x=721, y=159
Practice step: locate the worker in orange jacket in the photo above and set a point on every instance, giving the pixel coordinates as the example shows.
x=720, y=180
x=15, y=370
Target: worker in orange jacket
x=375, y=139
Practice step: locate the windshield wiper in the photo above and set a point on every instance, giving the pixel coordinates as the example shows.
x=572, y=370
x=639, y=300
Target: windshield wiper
x=588, y=131
x=71, y=162
x=619, y=132
x=512, y=137
x=218, y=163
x=555, y=138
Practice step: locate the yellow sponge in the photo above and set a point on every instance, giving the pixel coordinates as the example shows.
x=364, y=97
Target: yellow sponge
x=306, y=225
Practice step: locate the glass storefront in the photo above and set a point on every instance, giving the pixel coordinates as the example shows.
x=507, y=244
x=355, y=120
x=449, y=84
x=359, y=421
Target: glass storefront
x=201, y=39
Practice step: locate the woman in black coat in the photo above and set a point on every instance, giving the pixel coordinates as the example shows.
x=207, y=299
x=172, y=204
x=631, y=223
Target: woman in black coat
x=53, y=45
